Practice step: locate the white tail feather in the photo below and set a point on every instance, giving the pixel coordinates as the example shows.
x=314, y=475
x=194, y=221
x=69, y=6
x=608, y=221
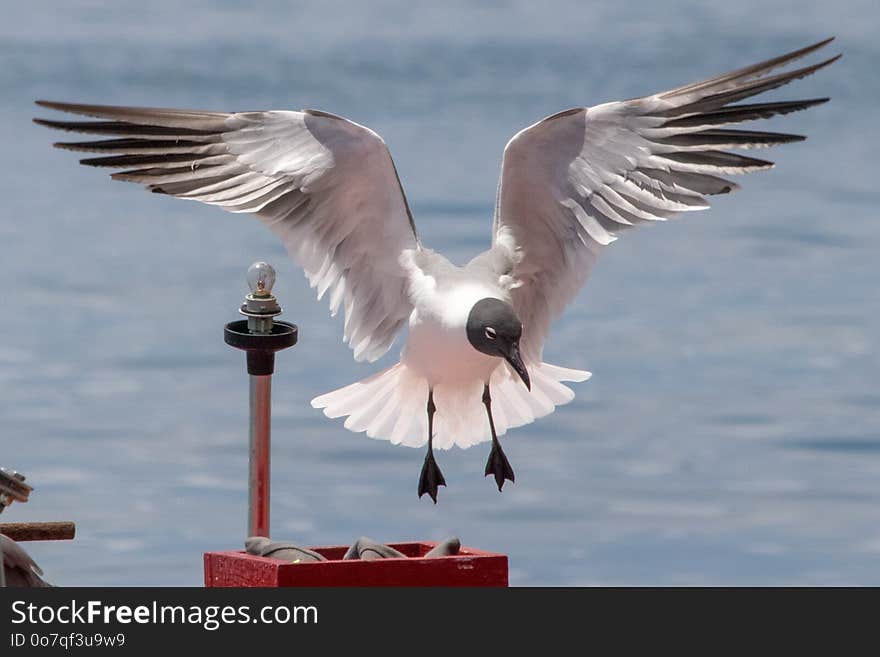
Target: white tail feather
x=391, y=405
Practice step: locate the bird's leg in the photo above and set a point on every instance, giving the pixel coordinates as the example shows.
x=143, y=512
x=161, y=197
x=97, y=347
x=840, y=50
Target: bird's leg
x=431, y=476
x=497, y=464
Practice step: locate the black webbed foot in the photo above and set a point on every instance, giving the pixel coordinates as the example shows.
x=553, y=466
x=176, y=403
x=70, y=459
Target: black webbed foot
x=498, y=465
x=431, y=477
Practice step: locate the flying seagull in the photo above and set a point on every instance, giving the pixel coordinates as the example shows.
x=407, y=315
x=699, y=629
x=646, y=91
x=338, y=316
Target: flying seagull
x=329, y=189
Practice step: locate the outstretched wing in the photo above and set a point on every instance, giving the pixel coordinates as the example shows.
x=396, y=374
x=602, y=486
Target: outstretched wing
x=571, y=181
x=325, y=185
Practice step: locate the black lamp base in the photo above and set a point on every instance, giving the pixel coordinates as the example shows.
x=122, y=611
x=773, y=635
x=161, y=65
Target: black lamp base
x=260, y=347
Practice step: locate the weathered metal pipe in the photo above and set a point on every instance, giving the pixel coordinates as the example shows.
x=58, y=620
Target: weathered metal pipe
x=259, y=482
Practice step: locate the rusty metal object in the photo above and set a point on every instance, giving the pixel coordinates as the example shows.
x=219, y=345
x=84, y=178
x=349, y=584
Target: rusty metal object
x=12, y=488
x=38, y=531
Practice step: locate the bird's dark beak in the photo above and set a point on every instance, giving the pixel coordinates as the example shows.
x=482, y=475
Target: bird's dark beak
x=515, y=359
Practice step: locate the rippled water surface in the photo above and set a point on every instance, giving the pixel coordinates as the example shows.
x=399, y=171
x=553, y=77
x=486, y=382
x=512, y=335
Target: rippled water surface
x=730, y=434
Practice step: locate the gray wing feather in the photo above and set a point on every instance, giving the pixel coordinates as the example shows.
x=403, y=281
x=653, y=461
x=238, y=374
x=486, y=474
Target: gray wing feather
x=325, y=185
x=572, y=181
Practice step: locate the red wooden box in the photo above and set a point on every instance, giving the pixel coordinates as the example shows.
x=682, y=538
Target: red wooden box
x=470, y=567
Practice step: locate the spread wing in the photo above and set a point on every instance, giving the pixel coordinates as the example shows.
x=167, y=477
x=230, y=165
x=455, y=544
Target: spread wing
x=573, y=180
x=325, y=185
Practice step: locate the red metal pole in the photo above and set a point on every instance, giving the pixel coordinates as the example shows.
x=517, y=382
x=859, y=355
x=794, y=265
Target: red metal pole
x=260, y=449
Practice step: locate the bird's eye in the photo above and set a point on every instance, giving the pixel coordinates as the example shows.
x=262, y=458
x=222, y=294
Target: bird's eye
x=490, y=333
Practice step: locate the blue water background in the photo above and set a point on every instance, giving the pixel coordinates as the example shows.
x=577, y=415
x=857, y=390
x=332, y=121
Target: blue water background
x=731, y=431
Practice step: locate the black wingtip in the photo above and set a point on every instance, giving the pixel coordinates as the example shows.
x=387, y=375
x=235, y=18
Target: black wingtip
x=823, y=42
x=829, y=61
x=58, y=125
x=809, y=70
x=53, y=104
x=55, y=125
x=806, y=104
x=798, y=105
x=814, y=47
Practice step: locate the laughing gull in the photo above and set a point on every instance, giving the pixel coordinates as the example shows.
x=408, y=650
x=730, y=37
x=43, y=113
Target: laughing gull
x=329, y=189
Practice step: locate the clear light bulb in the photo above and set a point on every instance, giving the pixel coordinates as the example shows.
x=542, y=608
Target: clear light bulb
x=261, y=278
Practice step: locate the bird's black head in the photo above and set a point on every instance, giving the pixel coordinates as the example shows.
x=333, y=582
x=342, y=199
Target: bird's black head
x=494, y=329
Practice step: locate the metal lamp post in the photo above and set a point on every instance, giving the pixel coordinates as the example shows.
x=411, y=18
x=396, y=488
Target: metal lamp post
x=260, y=336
